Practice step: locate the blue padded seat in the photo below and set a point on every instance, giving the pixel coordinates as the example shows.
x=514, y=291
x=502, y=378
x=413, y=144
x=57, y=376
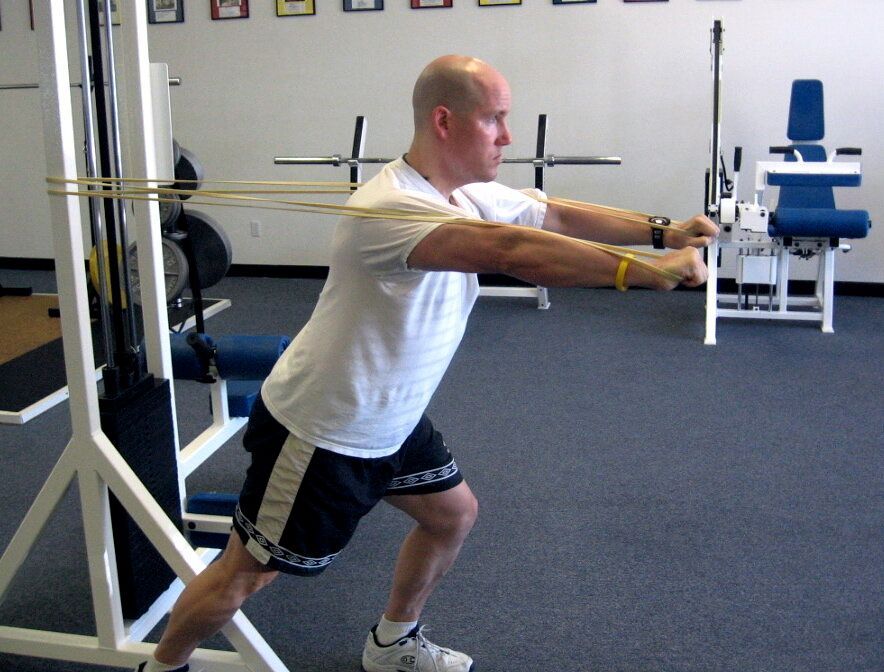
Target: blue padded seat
x=819, y=223
x=212, y=503
x=241, y=396
x=248, y=357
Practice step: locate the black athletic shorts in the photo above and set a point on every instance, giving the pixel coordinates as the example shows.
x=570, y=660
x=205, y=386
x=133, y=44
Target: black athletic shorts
x=300, y=504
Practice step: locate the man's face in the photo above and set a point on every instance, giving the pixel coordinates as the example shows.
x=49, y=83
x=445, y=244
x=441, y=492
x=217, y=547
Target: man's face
x=479, y=136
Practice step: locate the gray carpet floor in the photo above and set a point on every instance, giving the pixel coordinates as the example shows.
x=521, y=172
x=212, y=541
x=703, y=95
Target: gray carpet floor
x=647, y=503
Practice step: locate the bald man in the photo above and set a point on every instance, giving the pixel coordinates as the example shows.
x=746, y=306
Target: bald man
x=340, y=423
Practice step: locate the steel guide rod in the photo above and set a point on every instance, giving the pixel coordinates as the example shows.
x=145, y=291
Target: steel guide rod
x=713, y=176
x=94, y=203
x=716, y=47
x=118, y=330
x=118, y=169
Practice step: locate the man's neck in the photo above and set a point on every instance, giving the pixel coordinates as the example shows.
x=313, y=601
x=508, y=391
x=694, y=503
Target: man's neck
x=427, y=168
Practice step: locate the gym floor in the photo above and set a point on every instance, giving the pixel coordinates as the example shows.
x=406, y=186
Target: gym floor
x=647, y=503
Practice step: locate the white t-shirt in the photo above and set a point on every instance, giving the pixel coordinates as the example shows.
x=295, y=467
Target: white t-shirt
x=358, y=376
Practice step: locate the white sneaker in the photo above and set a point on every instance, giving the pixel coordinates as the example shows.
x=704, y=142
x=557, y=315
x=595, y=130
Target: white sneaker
x=412, y=653
x=143, y=666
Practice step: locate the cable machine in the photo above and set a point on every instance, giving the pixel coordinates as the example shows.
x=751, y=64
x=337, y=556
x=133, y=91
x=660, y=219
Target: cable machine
x=140, y=387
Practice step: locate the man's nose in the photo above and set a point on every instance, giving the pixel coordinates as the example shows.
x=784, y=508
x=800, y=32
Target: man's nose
x=504, y=137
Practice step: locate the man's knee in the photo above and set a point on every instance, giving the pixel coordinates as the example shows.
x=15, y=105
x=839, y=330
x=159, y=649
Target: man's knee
x=456, y=518
x=240, y=570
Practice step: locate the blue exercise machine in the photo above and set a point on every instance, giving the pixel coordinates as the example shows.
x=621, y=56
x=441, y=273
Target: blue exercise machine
x=804, y=222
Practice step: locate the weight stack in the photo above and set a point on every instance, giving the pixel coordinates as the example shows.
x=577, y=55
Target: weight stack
x=139, y=424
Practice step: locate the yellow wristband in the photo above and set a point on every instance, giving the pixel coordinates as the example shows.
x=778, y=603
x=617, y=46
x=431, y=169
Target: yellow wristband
x=621, y=272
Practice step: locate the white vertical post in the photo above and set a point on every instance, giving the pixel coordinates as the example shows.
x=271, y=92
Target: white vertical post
x=142, y=150
x=827, y=271
x=711, y=292
x=783, y=277
x=67, y=226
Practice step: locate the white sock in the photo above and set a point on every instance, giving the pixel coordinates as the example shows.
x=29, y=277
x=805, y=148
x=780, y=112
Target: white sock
x=155, y=666
x=389, y=632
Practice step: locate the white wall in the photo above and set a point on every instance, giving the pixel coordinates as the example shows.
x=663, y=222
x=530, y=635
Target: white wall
x=614, y=78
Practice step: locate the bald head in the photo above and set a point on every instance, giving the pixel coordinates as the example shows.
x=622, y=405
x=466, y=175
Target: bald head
x=455, y=82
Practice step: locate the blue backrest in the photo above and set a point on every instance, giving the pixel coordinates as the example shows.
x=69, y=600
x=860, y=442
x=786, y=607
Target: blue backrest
x=806, y=119
x=806, y=125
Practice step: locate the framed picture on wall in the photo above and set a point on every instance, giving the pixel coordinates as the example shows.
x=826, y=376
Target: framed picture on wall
x=230, y=9
x=645, y=0
x=165, y=11
x=572, y=2
x=491, y=3
x=295, y=7
x=115, y=13
x=427, y=4
x=363, y=5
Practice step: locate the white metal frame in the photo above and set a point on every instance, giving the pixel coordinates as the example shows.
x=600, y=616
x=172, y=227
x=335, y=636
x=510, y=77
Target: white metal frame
x=778, y=305
x=540, y=293
x=90, y=458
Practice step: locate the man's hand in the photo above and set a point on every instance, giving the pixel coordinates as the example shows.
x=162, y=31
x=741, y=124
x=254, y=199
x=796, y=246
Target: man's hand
x=700, y=229
x=686, y=263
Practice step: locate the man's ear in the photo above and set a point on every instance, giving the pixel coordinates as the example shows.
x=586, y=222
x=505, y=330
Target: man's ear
x=441, y=121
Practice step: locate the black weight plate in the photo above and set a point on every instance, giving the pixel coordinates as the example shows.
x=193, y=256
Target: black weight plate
x=189, y=173
x=175, y=271
x=170, y=209
x=212, y=252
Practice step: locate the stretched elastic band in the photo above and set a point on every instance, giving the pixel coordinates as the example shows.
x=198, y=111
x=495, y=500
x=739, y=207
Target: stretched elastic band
x=621, y=272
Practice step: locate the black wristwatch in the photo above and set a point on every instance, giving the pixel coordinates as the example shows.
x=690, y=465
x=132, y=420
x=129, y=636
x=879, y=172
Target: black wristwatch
x=657, y=234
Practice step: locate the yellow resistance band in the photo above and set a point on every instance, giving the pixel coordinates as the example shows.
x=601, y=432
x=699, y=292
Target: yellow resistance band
x=620, y=213
x=619, y=279
x=162, y=194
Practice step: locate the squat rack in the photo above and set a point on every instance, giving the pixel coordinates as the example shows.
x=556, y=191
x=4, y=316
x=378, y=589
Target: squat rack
x=540, y=161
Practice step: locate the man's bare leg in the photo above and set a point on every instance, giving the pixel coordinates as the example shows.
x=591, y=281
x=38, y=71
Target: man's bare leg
x=210, y=600
x=444, y=519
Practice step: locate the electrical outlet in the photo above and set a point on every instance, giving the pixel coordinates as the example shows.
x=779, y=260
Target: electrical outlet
x=256, y=229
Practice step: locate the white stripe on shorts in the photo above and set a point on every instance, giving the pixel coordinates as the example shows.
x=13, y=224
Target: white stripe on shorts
x=282, y=489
